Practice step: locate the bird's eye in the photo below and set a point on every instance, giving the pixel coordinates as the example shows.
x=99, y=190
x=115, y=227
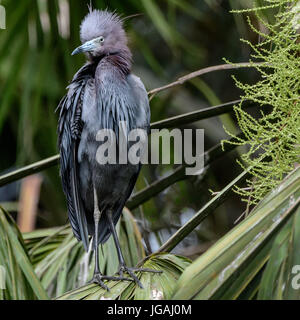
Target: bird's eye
x=101, y=39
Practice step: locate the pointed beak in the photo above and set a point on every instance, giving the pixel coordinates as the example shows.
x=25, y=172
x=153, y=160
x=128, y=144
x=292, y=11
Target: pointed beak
x=86, y=47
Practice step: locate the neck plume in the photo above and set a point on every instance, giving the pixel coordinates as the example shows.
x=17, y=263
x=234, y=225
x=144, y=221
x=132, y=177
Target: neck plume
x=121, y=60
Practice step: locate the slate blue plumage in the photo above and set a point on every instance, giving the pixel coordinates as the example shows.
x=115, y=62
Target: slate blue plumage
x=102, y=93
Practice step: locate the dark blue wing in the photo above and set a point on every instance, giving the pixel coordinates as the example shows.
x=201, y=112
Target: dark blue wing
x=69, y=131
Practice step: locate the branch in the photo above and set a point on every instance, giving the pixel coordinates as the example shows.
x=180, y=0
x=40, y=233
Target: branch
x=200, y=72
x=199, y=115
x=28, y=170
x=201, y=215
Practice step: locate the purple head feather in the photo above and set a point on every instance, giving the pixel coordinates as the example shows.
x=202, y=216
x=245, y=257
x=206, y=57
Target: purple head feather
x=103, y=23
x=103, y=35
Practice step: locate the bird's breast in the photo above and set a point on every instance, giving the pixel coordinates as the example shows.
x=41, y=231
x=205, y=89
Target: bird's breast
x=107, y=107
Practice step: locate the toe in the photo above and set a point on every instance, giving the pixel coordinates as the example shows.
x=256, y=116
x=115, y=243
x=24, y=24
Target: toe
x=135, y=278
x=97, y=279
x=130, y=271
x=103, y=286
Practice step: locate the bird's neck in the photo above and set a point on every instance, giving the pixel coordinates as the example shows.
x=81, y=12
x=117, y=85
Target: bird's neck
x=119, y=61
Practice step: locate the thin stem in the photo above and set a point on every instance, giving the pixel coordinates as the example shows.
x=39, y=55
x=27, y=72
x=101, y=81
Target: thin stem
x=28, y=170
x=200, y=72
x=201, y=114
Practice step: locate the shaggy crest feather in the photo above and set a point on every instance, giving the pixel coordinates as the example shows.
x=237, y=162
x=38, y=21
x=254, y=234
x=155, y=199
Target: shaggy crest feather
x=101, y=23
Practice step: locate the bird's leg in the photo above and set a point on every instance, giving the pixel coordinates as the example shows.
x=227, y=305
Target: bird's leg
x=123, y=268
x=98, y=277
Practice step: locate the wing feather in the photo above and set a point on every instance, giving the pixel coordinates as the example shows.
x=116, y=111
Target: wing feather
x=69, y=132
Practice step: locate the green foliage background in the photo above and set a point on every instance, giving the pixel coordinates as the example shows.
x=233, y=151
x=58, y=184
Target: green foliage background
x=174, y=217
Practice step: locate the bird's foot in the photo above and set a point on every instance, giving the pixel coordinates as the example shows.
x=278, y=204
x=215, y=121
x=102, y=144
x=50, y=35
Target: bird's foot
x=130, y=271
x=99, y=278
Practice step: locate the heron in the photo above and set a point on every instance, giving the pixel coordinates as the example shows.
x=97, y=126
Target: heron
x=102, y=94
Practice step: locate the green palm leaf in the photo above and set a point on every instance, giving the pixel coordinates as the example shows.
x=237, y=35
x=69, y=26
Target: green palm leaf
x=222, y=268
x=157, y=286
x=21, y=281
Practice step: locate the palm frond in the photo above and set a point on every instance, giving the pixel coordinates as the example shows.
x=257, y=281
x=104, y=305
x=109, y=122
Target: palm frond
x=226, y=269
x=157, y=286
x=20, y=279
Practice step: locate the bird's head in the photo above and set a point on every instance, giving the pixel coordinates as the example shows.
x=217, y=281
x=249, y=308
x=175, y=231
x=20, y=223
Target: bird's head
x=101, y=33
